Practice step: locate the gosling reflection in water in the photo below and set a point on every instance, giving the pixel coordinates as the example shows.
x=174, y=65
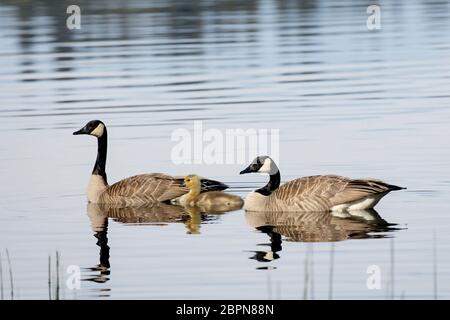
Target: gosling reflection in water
x=314, y=227
x=196, y=215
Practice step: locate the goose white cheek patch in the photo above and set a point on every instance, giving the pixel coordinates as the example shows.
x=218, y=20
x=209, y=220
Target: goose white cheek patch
x=268, y=167
x=98, y=132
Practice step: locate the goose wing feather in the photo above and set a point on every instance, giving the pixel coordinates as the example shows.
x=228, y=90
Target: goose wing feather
x=144, y=188
x=320, y=193
x=312, y=193
x=358, y=189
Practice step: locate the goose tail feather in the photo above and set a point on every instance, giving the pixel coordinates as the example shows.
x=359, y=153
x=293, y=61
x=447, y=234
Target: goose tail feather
x=212, y=185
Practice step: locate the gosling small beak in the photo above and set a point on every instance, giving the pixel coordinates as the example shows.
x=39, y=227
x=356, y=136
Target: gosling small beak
x=246, y=170
x=183, y=184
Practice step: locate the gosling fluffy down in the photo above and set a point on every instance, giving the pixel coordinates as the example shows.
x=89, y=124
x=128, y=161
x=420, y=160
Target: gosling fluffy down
x=209, y=199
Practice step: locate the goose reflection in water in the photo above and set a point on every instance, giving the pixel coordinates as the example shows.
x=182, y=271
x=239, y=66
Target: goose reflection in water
x=99, y=215
x=99, y=225
x=315, y=227
x=157, y=214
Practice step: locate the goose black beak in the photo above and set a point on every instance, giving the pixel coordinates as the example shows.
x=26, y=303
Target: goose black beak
x=246, y=170
x=77, y=133
x=81, y=131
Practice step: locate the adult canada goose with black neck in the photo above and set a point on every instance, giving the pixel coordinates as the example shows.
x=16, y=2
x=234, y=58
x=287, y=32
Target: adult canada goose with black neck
x=137, y=190
x=315, y=193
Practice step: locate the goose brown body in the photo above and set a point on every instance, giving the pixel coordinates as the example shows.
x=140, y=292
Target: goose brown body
x=321, y=193
x=314, y=193
x=143, y=189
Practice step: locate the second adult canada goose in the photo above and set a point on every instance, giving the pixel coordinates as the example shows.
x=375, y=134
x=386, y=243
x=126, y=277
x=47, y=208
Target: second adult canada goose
x=210, y=199
x=315, y=193
x=137, y=190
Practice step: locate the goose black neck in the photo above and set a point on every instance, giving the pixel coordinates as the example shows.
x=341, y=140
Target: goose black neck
x=273, y=184
x=100, y=163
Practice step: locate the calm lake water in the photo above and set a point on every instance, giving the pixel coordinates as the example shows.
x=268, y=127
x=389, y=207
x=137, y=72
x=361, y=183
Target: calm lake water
x=346, y=101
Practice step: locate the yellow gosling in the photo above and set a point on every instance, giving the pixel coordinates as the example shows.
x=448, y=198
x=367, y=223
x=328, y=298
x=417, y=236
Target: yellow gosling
x=207, y=199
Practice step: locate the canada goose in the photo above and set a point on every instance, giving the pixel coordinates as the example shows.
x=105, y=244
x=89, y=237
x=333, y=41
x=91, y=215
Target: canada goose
x=315, y=193
x=208, y=201
x=137, y=190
